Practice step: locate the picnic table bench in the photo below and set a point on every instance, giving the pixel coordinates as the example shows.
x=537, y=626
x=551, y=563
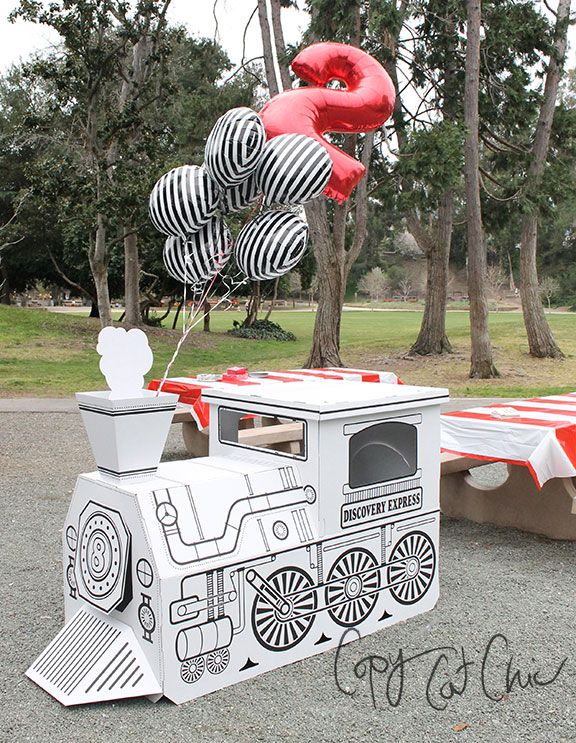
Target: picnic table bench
x=536, y=440
x=517, y=502
x=281, y=436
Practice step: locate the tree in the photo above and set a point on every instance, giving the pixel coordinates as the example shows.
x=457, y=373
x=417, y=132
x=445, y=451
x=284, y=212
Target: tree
x=495, y=280
x=405, y=288
x=482, y=364
x=541, y=341
x=374, y=284
x=434, y=66
x=40, y=155
x=294, y=287
x=104, y=81
x=549, y=286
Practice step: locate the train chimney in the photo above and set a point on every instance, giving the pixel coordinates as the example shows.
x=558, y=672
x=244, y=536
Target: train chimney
x=127, y=434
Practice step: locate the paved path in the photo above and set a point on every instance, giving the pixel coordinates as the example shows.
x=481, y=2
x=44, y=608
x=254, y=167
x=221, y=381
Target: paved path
x=492, y=581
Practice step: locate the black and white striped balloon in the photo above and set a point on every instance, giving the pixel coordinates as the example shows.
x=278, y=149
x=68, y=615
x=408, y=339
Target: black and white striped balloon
x=200, y=256
x=234, y=146
x=294, y=169
x=239, y=197
x=183, y=200
x=271, y=245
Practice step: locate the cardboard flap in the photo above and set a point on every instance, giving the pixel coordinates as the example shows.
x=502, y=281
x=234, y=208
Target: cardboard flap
x=93, y=660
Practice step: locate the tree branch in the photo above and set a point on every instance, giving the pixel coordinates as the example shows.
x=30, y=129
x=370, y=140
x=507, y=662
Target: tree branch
x=69, y=281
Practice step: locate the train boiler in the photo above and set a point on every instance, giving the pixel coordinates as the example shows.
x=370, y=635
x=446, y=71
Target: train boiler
x=315, y=512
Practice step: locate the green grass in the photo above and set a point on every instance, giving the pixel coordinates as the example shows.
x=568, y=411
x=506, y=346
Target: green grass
x=48, y=354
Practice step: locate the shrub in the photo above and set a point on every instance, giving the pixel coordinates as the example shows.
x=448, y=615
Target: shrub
x=263, y=330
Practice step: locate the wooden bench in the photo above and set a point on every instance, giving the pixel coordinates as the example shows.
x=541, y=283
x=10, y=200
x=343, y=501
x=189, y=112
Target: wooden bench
x=284, y=437
x=517, y=502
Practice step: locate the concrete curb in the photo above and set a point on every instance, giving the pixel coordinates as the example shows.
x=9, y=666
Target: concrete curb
x=38, y=405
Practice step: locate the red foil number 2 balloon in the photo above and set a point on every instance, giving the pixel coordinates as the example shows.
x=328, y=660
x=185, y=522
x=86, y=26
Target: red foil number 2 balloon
x=365, y=105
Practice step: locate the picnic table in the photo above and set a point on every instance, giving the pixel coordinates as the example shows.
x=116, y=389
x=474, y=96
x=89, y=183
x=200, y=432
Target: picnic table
x=194, y=414
x=536, y=439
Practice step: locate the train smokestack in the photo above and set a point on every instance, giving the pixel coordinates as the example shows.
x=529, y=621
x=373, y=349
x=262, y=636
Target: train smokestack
x=127, y=435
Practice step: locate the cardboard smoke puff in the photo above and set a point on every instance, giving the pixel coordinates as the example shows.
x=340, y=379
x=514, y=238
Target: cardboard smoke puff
x=126, y=358
x=316, y=512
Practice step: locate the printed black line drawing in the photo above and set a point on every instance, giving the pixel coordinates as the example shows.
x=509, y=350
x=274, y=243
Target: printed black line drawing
x=287, y=600
x=101, y=563
x=145, y=573
x=146, y=617
x=186, y=576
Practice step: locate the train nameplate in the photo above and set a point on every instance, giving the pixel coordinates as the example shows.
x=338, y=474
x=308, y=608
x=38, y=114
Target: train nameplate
x=376, y=509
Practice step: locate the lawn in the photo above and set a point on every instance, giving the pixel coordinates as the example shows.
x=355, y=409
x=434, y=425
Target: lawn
x=48, y=354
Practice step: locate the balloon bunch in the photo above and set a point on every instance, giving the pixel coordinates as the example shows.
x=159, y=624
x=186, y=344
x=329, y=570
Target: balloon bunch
x=189, y=203
x=278, y=158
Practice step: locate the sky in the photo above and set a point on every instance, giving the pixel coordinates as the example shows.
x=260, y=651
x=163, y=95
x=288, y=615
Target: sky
x=19, y=40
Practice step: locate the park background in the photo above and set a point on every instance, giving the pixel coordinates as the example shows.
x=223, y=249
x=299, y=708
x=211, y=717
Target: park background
x=451, y=264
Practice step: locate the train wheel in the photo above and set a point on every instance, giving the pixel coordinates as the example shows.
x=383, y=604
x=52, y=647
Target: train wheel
x=192, y=670
x=217, y=661
x=278, y=632
x=349, y=580
x=413, y=568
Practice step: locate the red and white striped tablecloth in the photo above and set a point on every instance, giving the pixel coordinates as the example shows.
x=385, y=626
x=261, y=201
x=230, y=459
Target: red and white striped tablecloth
x=190, y=388
x=539, y=432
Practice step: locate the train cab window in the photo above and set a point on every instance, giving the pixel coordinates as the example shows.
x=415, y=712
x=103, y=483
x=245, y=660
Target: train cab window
x=267, y=433
x=383, y=452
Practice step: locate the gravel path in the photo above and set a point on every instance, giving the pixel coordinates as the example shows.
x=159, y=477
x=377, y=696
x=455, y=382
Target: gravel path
x=492, y=581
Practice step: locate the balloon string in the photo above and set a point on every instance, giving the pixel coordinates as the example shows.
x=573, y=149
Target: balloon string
x=195, y=310
x=191, y=326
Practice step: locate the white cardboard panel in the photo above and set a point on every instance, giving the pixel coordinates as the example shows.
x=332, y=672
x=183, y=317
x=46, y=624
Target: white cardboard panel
x=224, y=567
x=93, y=659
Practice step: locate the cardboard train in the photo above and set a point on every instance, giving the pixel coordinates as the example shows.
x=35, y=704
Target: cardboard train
x=316, y=511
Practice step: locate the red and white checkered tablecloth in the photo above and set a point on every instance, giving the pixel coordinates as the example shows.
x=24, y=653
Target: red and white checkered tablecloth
x=539, y=432
x=190, y=388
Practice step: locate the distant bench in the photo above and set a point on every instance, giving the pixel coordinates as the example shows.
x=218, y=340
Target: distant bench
x=516, y=503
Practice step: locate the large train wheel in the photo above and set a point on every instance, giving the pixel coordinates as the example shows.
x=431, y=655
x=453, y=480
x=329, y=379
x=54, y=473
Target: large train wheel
x=413, y=568
x=349, y=580
x=278, y=632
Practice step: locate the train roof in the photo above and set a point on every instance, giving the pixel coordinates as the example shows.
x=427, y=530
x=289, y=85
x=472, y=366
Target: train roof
x=329, y=396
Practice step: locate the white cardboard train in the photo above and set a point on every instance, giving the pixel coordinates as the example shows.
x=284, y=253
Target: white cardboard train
x=185, y=577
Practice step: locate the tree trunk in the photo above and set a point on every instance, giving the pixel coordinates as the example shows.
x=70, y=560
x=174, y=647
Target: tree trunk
x=99, y=267
x=206, y=319
x=511, y=284
x=273, y=300
x=280, y=46
x=253, y=305
x=177, y=315
x=4, y=284
x=326, y=339
x=541, y=342
x=267, y=49
x=432, y=338
x=482, y=364
x=131, y=278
